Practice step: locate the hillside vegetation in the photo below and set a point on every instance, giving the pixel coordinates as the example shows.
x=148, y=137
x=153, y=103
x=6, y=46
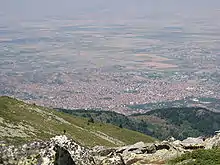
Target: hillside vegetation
x=21, y=122
x=114, y=118
x=199, y=157
x=180, y=122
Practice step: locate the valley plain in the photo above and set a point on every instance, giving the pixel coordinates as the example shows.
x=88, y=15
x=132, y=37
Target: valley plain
x=112, y=59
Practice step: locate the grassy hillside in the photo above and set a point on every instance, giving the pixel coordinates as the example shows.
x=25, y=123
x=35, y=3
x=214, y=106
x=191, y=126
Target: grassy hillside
x=21, y=122
x=179, y=122
x=112, y=118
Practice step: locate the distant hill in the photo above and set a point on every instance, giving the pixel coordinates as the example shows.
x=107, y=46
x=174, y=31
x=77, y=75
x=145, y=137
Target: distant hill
x=21, y=122
x=180, y=122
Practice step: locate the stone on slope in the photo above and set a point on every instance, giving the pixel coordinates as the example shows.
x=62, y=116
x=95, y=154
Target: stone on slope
x=112, y=159
x=193, y=143
x=159, y=157
x=141, y=149
x=102, y=151
x=213, y=142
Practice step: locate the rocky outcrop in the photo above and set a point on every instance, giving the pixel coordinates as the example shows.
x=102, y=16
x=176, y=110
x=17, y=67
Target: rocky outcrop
x=57, y=151
x=142, y=153
x=153, y=153
x=63, y=151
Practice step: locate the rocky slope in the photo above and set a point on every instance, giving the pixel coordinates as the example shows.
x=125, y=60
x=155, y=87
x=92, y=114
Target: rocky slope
x=61, y=150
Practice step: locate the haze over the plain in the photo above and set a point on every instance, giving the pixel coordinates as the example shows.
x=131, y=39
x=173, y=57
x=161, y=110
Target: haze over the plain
x=32, y=9
x=121, y=55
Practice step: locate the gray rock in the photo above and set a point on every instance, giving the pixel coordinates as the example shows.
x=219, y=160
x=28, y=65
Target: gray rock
x=113, y=159
x=149, y=148
x=62, y=157
x=213, y=142
x=216, y=144
x=193, y=143
x=102, y=151
x=137, y=148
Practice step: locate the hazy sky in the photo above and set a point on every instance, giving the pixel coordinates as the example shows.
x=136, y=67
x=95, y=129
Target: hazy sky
x=39, y=9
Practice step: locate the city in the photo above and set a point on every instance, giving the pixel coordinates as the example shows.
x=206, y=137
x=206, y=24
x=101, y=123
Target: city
x=85, y=61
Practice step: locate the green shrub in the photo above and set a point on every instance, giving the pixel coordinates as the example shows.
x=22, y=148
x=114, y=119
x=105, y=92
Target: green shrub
x=199, y=157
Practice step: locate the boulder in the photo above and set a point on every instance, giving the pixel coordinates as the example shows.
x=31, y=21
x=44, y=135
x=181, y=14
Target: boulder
x=150, y=148
x=216, y=144
x=113, y=159
x=137, y=148
x=212, y=142
x=193, y=143
x=159, y=157
x=102, y=151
